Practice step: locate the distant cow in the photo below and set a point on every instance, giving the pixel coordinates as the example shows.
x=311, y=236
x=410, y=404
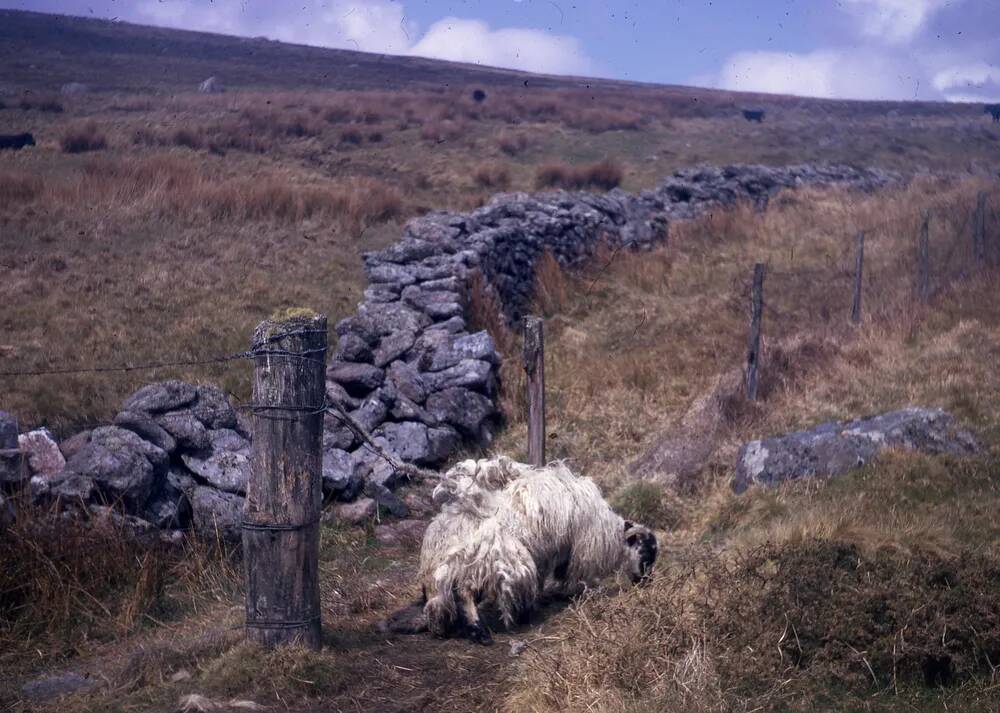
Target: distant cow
x=479, y=95
x=16, y=141
x=754, y=115
x=993, y=109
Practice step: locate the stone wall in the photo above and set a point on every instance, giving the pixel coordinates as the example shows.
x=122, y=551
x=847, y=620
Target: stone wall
x=406, y=365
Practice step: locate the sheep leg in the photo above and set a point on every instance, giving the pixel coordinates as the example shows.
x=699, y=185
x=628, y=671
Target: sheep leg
x=473, y=624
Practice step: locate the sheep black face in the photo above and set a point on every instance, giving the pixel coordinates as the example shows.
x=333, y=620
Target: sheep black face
x=642, y=551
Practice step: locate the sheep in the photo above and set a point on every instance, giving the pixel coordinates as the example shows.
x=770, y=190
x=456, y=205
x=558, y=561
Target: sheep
x=505, y=527
x=993, y=110
x=16, y=141
x=754, y=115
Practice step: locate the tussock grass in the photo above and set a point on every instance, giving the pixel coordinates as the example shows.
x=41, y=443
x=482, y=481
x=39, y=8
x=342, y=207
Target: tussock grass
x=67, y=582
x=83, y=137
x=605, y=175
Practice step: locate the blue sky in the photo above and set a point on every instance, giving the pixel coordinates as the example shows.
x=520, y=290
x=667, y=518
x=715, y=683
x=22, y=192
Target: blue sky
x=868, y=49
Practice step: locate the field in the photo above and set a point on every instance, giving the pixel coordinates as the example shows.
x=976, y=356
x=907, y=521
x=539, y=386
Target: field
x=153, y=223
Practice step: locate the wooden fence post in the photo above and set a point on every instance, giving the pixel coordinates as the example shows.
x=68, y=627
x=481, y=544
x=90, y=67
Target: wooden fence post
x=979, y=230
x=534, y=366
x=281, y=515
x=859, y=267
x=753, y=345
x=924, y=259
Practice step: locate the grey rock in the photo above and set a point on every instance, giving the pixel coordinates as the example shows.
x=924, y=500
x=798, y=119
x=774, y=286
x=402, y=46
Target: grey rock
x=404, y=532
x=409, y=440
x=357, y=379
x=123, y=466
x=225, y=470
x=393, y=274
x=838, y=447
x=393, y=346
x=226, y=439
x=337, y=394
x=340, y=480
x=407, y=381
x=468, y=373
x=214, y=511
x=381, y=293
x=468, y=411
x=74, y=443
x=160, y=397
x=189, y=432
x=453, y=325
x=213, y=409
x=352, y=348
x=66, y=488
x=393, y=317
x=371, y=413
x=168, y=513
x=336, y=435
x=370, y=466
x=143, y=425
x=40, y=452
x=354, y=514
x=477, y=346
x=405, y=410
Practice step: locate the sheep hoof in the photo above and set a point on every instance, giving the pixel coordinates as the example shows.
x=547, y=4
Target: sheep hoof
x=480, y=635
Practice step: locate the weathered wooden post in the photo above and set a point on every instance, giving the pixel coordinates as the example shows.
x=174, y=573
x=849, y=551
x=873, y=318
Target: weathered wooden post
x=924, y=260
x=859, y=266
x=753, y=344
x=979, y=230
x=281, y=515
x=534, y=366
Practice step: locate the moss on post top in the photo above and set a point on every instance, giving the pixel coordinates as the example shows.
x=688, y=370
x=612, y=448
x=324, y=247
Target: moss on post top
x=289, y=319
x=286, y=314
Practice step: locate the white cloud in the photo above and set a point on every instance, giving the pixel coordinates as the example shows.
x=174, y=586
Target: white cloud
x=970, y=82
x=832, y=73
x=374, y=26
x=894, y=21
x=369, y=25
x=474, y=41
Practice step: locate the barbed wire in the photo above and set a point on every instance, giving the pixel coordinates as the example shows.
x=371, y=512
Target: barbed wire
x=256, y=350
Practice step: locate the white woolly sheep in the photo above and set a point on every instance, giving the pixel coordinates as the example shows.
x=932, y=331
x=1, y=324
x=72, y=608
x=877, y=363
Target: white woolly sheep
x=505, y=527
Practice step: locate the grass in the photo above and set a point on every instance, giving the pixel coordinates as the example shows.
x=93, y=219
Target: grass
x=202, y=215
x=604, y=175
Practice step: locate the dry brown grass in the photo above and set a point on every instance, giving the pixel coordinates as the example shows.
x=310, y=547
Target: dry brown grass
x=65, y=583
x=642, y=337
x=605, y=175
x=83, y=137
x=492, y=176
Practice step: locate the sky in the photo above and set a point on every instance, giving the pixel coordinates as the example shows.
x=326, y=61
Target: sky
x=855, y=49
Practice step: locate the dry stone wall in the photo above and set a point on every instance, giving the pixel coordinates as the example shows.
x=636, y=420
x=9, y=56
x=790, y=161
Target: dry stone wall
x=406, y=365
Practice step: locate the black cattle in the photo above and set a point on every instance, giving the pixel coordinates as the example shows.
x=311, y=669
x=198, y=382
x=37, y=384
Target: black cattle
x=993, y=109
x=754, y=115
x=479, y=95
x=16, y=141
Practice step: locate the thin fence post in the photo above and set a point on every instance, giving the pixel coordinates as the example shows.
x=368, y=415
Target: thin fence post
x=859, y=267
x=281, y=515
x=534, y=366
x=979, y=230
x=924, y=260
x=753, y=344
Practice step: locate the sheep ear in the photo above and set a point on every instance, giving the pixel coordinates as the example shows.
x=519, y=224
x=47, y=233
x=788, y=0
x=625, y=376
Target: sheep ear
x=628, y=526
